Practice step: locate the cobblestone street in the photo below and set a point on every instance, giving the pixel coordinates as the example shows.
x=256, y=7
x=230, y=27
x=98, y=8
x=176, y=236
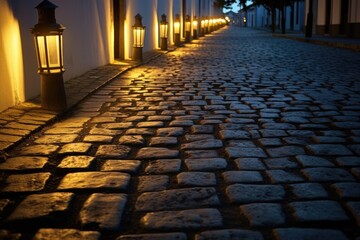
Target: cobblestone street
x=239, y=135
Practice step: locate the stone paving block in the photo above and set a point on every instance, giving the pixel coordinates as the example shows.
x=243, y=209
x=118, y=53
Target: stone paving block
x=117, y=126
x=248, y=193
x=205, y=164
x=41, y=149
x=185, y=219
x=31, y=182
x=95, y=180
x=164, y=166
x=239, y=152
x=194, y=179
x=229, y=234
x=98, y=138
x=64, y=138
x=156, y=152
x=318, y=211
x=153, y=236
x=242, y=176
x=150, y=124
x=163, y=141
x=16, y=125
x=104, y=131
x=352, y=161
x=3, y=204
x=354, y=208
x=280, y=163
x=119, y=165
x=113, y=151
x=308, y=233
x=285, y=151
x=152, y=183
x=347, y=189
x=61, y=234
x=24, y=163
x=76, y=162
x=249, y=164
x=57, y=131
x=329, y=149
x=10, y=138
x=173, y=199
x=5, y=234
x=282, y=176
x=266, y=142
x=202, y=129
x=75, y=148
x=47, y=206
x=14, y=132
x=263, y=214
x=202, y=144
x=170, y=131
x=198, y=137
x=234, y=134
x=313, y=161
x=201, y=153
x=266, y=133
x=322, y=174
x=308, y=190
x=132, y=140
x=103, y=210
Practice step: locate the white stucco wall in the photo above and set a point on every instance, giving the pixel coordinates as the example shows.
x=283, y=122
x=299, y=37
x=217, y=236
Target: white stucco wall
x=84, y=47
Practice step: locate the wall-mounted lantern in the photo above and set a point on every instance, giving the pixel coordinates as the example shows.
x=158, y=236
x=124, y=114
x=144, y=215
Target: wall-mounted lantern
x=49, y=52
x=211, y=25
x=139, y=34
x=163, y=32
x=177, y=30
x=187, y=29
x=202, y=27
x=206, y=26
x=195, y=28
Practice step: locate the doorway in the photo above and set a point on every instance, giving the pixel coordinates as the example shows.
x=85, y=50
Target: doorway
x=327, y=16
x=344, y=16
x=119, y=9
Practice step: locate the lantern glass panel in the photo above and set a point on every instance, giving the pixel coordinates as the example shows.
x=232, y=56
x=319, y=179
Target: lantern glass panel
x=187, y=26
x=177, y=27
x=195, y=23
x=49, y=49
x=139, y=33
x=163, y=30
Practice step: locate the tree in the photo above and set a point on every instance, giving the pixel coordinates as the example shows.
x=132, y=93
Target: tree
x=272, y=5
x=224, y=3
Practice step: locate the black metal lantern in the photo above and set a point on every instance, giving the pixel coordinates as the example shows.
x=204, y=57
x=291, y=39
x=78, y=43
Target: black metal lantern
x=187, y=29
x=163, y=32
x=48, y=37
x=195, y=28
x=139, y=34
x=177, y=30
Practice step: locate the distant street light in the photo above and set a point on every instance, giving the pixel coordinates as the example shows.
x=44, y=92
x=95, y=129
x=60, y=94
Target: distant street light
x=163, y=32
x=49, y=52
x=139, y=34
x=177, y=30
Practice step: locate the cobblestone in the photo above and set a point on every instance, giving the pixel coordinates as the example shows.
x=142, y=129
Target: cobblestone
x=193, y=145
x=185, y=219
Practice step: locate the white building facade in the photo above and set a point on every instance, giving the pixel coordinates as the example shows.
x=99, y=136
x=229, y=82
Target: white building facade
x=336, y=17
x=97, y=33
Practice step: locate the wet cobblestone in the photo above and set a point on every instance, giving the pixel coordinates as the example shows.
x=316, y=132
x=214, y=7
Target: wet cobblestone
x=238, y=135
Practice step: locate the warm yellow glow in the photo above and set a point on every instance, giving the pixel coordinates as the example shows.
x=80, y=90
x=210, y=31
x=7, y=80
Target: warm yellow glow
x=12, y=90
x=49, y=53
x=187, y=26
x=206, y=22
x=139, y=33
x=195, y=24
x=211, y=22
x=177, y=27
x=202, y=23
x=163, y=30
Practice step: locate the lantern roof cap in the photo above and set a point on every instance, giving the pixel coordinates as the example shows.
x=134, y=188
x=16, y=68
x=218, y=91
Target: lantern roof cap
x=46, y=4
